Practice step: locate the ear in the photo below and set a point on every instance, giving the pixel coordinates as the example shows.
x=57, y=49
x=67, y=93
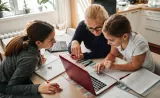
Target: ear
x=125, y=36
x=37, y=43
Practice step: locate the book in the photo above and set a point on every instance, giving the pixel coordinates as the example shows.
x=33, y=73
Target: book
x=141, y=81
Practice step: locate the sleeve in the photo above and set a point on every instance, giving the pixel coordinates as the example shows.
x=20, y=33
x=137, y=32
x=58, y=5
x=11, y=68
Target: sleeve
x=25, y=68
x=141, y=48
x=78, y=34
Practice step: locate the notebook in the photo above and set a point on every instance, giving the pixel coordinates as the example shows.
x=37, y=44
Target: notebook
x=51, y=68
x=117, y=74
x=141, y=81
x=115, y=92
x=59, y=46
x=88, y=78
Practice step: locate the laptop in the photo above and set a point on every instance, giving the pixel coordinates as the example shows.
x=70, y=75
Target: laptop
x=90, y=80
x=59, y=46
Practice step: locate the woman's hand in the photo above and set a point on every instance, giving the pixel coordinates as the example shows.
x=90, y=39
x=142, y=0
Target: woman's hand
x=43, y=59
x=76, y=49
x=49, y=88
x=76, y=57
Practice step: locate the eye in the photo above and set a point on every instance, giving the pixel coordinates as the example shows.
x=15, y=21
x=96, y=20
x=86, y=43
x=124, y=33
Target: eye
x=111, y=40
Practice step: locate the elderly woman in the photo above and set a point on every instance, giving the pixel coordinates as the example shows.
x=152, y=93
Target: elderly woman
x=90, y=32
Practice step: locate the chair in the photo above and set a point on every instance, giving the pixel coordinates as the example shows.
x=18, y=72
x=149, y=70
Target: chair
x=156, y=59
x=70, y=31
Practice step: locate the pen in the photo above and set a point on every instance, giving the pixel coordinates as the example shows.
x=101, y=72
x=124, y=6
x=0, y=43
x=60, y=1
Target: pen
x=88, y=63
x=124, y=77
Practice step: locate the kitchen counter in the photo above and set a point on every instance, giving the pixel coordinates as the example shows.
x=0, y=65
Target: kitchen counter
x=137, y=6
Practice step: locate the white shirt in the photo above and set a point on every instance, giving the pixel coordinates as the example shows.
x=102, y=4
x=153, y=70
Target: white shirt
x=138, y=45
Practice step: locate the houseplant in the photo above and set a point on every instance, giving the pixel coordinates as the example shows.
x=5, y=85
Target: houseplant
x=26, y=9
x=42, y=4
x=3, y=7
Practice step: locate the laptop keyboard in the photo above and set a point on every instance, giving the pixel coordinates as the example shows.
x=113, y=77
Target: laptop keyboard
x=59, y=46
x=97, y=84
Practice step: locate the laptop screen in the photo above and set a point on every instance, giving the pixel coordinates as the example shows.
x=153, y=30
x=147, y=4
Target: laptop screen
x=78, y=74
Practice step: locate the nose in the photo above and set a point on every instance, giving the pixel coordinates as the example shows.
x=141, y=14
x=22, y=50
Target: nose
x=94, y=31
x=109, y=43
x=54, y=41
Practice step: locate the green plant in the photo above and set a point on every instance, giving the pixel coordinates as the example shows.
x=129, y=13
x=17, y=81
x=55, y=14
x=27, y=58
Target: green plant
x=26, y=9
x=3, y=6
x=42, y=2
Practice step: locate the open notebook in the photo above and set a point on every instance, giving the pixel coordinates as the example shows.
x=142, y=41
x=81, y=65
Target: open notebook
x=141, y=81
x=51, y=68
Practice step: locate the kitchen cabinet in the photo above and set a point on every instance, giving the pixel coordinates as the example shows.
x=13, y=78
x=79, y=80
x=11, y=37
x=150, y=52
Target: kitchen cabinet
x=150, y=26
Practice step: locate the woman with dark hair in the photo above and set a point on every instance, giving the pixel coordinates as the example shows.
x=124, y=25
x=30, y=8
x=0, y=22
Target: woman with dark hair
x=22, y=57
x=133, y=46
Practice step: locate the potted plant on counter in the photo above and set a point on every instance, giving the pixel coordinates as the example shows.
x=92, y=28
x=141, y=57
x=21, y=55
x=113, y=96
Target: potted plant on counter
x=3, y=7
x=42, y=4
x=26, y=9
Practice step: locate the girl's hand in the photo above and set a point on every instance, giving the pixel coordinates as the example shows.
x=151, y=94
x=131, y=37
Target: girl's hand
x=108, y=64
x=76, y=49
x=99, y=66
x=43, y=59
x=49, y=88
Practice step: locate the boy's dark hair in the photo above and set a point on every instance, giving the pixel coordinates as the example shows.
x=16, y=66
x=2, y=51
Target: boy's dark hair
x=36, y=31
x=117, y=25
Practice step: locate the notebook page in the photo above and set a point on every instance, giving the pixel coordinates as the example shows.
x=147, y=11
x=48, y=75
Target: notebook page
x=141, y=80
x=117, y=74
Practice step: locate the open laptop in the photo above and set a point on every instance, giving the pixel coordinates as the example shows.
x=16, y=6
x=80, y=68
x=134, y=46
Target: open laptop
x=93, y=82
x=59, y=46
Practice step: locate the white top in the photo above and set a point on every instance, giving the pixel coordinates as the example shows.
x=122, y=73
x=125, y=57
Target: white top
x=138, y=45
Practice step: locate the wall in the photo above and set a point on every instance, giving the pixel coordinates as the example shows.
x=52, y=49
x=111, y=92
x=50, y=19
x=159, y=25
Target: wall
x=78, y=8
x=17, y=23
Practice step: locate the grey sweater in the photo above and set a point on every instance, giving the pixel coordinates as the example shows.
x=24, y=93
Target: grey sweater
x=15, y=72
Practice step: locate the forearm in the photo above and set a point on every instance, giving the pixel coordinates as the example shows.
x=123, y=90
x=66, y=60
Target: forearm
x=111, y=57
x=125, y=67
x=30, y=89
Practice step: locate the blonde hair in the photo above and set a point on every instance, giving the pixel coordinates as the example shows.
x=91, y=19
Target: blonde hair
x=96, y=12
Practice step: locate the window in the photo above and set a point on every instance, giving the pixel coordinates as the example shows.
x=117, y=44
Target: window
x=28, y=6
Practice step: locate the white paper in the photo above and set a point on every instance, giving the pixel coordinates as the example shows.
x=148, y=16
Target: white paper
x=141, y=80
x=49, y=57
x=117, y=93
x=116, y=74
